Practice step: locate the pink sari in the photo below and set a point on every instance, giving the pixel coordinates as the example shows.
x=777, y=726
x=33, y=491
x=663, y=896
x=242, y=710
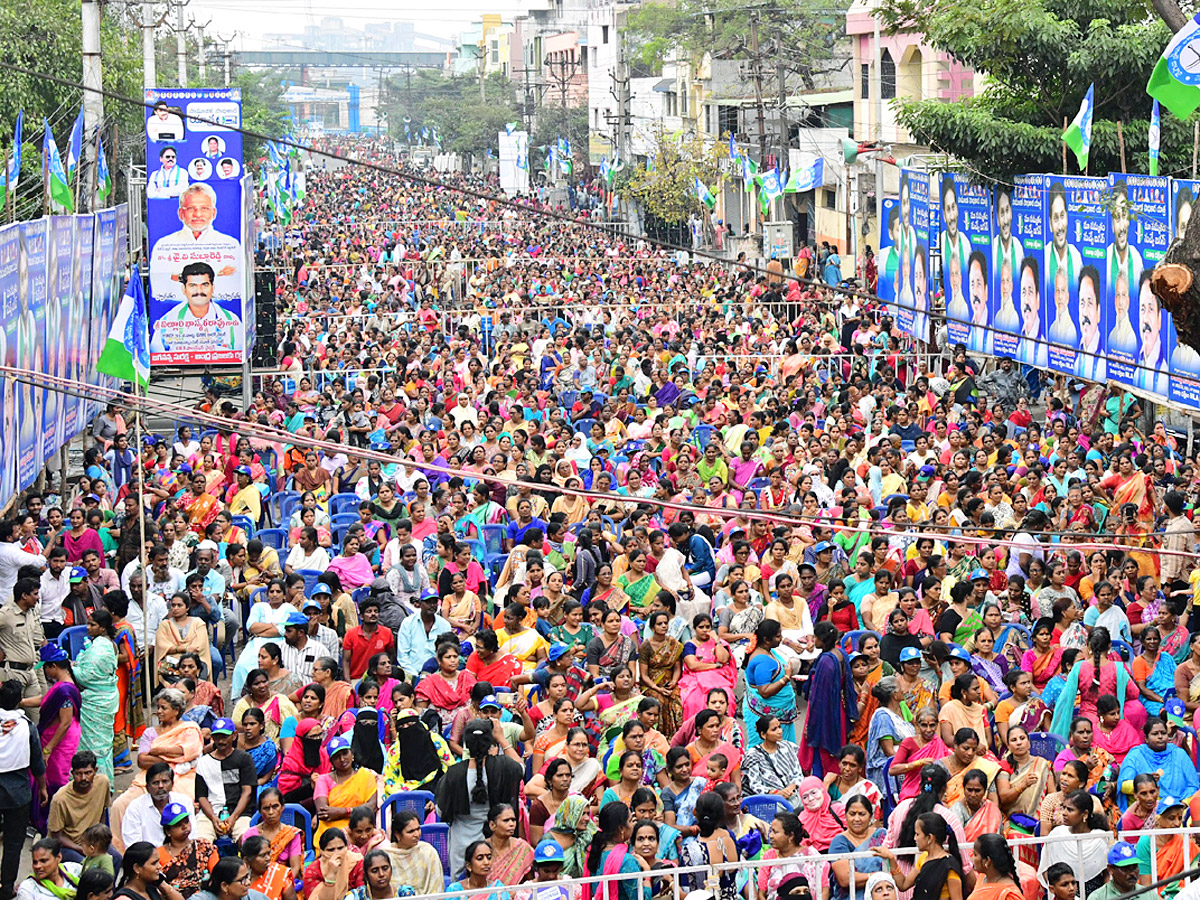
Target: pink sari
x=1119, y=741
x=694, y=686
x=908, y=752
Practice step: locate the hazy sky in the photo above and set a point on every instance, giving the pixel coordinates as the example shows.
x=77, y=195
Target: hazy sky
x=445, y=18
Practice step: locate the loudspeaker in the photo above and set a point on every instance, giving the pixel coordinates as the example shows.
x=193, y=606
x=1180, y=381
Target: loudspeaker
x=266, y=347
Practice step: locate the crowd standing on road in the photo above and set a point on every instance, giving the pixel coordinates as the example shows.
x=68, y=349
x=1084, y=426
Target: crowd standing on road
x=636, y=564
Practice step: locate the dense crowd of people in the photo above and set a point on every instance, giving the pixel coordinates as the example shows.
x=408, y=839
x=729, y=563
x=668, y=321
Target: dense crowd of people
x=639, y=566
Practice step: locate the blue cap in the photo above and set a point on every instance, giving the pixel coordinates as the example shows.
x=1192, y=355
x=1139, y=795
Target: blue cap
x=223, y=726
x=1122, y=854
x=557, y=651
x=244, y=470
x=908, y=654
x=173, y=814
x=79, y=573
x=960, y=654
x=822, y=547
x=979, y=574
x=310, y=603
x=337, y=745
x=1166, y=803
x=52, y=653
x=490, y=700
x=296, y=619
x=548, y=851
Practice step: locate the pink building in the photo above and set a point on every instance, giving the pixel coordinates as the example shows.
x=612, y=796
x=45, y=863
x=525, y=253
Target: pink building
x=564, y=69
x=908, y=69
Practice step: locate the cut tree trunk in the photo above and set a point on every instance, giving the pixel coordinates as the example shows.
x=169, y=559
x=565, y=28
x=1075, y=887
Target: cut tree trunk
x=1176, y=283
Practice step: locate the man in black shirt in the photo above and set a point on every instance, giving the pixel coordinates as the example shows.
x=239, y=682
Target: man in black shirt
x=225, y=783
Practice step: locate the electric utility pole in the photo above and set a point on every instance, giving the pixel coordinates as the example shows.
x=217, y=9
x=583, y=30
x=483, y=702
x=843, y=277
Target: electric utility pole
x=93, y=100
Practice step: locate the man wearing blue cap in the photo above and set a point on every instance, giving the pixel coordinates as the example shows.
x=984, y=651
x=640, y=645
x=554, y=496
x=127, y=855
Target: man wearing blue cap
x=299, y=650
x=1123, y=873
x=226, y=782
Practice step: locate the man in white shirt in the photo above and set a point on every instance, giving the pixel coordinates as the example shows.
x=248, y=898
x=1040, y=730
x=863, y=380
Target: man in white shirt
x=145, y=626
x=307, y=554
x=12, y=558
x=143, y=819
x=56, y=584
x=170, y=179
x=299, y=650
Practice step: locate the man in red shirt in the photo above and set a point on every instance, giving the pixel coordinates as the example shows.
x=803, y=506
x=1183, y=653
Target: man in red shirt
x=365, y=640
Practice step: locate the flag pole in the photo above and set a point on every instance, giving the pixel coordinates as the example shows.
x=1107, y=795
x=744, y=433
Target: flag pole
x=143, y=556
x=1066, y=123
x=1195, y=145
x=1121, y=144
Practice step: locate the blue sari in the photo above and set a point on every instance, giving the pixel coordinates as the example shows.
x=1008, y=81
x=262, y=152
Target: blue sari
x=832, y=706
x=1161, y=680
x=1179, y=778
x=760, y=671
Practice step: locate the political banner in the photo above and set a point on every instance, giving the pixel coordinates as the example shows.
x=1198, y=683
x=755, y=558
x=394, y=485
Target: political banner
x=194, y=224
x=1016, y=232
x=101, y=305
x=1184, y=382
x=1140, y=234
x=912, y=247
x=10, y=305
x=1073, y=278
x=73, y=317
x=966, y=250
x=61, y=250
x=249, y=243
x=31, y=322
x=120, y=274
x=888, y=260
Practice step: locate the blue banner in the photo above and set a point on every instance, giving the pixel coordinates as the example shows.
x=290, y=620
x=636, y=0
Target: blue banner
x=1140, y=235
x=966, y=248
x=1017, y=249
x=912, y=248
x=888, y=260
x=31, y=324
x=194, y=224
x=1185, y=362
x=79, y=360
x=10, y=302
x=1077, y=232
x=59, y=269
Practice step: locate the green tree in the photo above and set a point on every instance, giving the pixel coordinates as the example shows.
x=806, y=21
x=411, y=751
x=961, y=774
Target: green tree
x=550, y=126
x=1039, y=57
x=803, y=35
x=668, y=191
x=466, y=122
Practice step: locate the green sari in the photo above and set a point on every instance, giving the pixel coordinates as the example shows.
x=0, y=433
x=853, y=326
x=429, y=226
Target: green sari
x=96, y=674
x=639, y=592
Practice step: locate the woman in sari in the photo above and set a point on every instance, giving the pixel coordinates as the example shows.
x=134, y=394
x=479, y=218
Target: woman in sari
x=1100, y=763
x=198, y=505
x=264, y=752
x=519, y=640
x=707, y=665
x=977, y=810
x=996, y=870
x=1044, y=658
x=483, y=512
x=1187, y=680
x=265, y=623
x=989, y=665
x=832, y=706
x=257, y=694
x=963, y=758
x=737, y=621
x=512, y=857
x=447, y=690
x=1113, y=733
x=128, y=724
x=461, y=607
x=1023, y=782
x=611, y=650
x=178, y=634
x=58, y=723
x=606, y=592
x=1092, y=677
x=313, y=478
x=574, y=830
x=914, y=690
x=769, y=689
x=337, y=792
x=709, y=741
x=96, y=675
x=887, y=731
x=1088, y=858
x=1153, y=671
x=286, y=842
x=176, y=742
x=1071, y=778
x=1179, y=777
x=352, y=568
x=923, y=747
x=415, y=863
x=637, y=584
x=1130, y=484
x=660, y=662
x=1173, y=852
x=861, y=834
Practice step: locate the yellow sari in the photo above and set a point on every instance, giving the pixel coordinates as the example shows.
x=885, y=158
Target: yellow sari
x=356, y=791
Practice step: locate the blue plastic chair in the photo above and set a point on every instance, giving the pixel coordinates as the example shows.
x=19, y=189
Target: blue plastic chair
x=247, y=525
x=567, y=399
x=757, y=484
x=402, y=801
x=288, y=505
x=765, y=806
x=275, y=538
x=889, y=790
x=437, y=835
x=1019, y=629
x=703, y=434
x=339, y=534
x=298, y=817
x=478, y=550
x=71, y=639
x=340, y=503
x=1046, y=745
x=584, y=427
x=310, y=578
x=361, y=594
x=345, y=518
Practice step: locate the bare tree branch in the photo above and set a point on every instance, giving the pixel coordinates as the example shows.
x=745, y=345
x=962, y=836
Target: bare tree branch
x=1169, y=12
